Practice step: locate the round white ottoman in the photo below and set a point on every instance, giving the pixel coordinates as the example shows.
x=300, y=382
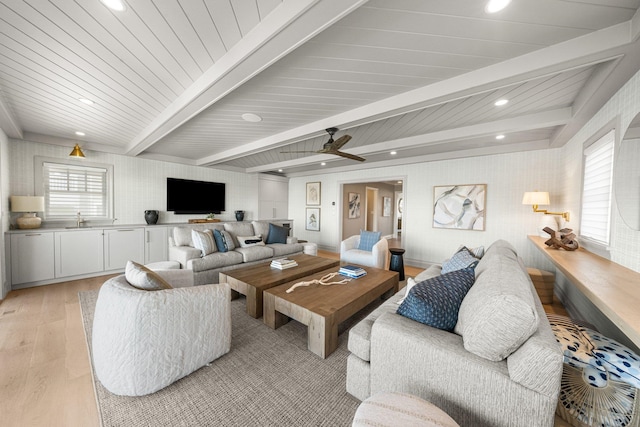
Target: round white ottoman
x=400, y=409
x=310, y=248
x=163, y=265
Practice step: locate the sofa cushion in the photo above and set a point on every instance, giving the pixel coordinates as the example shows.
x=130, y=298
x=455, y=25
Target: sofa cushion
x=261, y=228
x=215, y=260
x=224, y=241
x=277, y=234
x=203, y=240
x=498, y=314
x=239, y=229
x=182, y=236
x=141, y=277
x=280, y=249
x=436, y=301
x=368, y=239
x=255, y=253
x=461, y=259
x=248, y=241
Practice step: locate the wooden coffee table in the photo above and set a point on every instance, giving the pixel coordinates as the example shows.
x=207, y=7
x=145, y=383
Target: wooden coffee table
x=253, y=280
x=323, y=308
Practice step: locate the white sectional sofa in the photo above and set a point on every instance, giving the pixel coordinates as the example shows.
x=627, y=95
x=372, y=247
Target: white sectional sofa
x=206, y=268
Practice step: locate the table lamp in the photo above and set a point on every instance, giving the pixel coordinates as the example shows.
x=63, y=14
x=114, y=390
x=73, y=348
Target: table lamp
x=29, y=205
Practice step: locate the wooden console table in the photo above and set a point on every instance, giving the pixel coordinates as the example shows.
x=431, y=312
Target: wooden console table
x=614, y=289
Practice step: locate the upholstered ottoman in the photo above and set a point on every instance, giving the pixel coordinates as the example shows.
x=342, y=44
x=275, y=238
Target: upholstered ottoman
x=310, y=248
x=163, y=265
x=400, y=409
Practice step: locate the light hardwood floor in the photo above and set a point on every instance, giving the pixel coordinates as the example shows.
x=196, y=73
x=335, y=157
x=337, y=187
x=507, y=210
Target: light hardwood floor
x=45, y=376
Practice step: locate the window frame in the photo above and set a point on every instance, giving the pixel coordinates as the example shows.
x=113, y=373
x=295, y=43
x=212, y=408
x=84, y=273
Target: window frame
x=597, y=246
x=39, y=162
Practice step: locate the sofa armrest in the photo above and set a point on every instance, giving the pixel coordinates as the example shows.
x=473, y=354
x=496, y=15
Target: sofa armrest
x=182, y=254
x=291, y=240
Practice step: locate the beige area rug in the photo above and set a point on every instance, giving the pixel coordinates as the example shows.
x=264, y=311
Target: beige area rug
x=269, y=378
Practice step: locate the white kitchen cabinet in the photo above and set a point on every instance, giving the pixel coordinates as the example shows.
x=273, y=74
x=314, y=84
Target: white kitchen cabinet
x=273, y=197
x=32, y=257
x=79, y=252
x=156, y=244
x=121, y=245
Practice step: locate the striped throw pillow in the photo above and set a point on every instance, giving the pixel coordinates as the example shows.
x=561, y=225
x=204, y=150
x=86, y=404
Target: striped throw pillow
x=203, y=240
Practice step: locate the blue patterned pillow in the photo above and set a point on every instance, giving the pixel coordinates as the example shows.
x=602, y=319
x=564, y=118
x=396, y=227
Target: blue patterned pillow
x=461, y=259
x=224, y=241
x=368, y=239
x=436, y=301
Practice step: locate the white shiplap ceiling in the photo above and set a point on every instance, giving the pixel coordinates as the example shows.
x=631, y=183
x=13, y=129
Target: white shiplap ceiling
x=170, y=79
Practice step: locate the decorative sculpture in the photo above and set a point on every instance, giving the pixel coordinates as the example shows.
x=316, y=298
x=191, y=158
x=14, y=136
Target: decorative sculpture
x=564, y=239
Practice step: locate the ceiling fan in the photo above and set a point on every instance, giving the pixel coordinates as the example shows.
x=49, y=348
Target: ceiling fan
x=333, y=147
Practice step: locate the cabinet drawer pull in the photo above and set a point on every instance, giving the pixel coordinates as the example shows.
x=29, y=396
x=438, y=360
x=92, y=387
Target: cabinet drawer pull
x=129, y=229
x=32, y=235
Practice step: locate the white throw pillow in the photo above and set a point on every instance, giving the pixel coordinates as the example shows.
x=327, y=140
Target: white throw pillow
x=410, y=284
x=141, y=277
x=248, y=241
x=203, y=240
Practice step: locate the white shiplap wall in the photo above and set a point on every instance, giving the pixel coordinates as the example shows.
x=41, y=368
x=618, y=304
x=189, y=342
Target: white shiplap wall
x=507, y=177
x=139, y=184
x=4, y=209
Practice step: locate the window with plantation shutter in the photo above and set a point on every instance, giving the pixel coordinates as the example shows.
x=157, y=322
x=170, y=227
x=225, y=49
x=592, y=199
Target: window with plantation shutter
x=595, y=223
x=69, y=189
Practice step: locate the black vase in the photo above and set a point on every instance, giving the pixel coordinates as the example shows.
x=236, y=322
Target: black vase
x=151, y=217
x=239, y=215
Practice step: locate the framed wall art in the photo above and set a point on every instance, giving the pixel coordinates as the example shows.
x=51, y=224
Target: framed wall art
x=313, y=193
x=460, y=207
x=354, y=205
x=312, y=221
x=386, y=206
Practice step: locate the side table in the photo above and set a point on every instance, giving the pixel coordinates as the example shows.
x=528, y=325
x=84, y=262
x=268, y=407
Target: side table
x=397, y=263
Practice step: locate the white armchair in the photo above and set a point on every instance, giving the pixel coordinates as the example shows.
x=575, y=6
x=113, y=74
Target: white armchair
x=378, y=257
x=142, y=341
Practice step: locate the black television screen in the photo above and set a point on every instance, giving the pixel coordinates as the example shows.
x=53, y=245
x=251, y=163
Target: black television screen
x=185, y=196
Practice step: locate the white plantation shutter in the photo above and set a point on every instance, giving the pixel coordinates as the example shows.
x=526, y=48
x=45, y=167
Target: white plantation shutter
x=69, y=189
x=596, y=191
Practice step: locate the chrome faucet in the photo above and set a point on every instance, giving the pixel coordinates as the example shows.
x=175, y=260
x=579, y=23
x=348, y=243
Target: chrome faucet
x=79, y=220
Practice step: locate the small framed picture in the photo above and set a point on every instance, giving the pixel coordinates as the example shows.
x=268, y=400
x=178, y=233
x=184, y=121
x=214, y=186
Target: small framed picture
x=386, y=206
x=312, y=222
x=313, y=193
x=354, y=205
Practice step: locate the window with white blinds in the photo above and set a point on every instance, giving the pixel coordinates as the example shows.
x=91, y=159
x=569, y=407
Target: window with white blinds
x=595, y=223
x=69, y=189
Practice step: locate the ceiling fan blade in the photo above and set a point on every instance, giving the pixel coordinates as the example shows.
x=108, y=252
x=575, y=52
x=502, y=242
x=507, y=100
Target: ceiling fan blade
x=347, y=155
x=295, y=152
x=340, y=142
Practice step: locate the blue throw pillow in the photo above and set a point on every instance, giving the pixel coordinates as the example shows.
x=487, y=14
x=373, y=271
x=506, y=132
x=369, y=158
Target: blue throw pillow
x=368, y=239
x=224, y=241
x=461, y=259
x=436, y=301
x=277, y=234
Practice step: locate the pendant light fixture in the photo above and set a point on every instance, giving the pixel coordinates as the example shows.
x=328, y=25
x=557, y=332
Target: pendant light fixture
x=76, y=152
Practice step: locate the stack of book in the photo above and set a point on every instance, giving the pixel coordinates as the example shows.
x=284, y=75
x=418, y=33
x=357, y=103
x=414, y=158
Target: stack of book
x=283, y=263
x=352, y=271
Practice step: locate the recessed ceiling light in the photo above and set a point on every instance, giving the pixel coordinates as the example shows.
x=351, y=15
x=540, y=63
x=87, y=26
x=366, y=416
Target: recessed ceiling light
x=501, y=102
x=494, y=6
x=117, y=5
x=250, y=117
x=393, y=153
x=499, y=136
x=279, y=170
x=80, y=133
x=323, y=164
x=86, y=101
x=399, y=182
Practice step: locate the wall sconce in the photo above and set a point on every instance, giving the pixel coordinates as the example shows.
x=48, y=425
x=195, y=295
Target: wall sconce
x=536, y=198
x=29, y=205
x=76, y=152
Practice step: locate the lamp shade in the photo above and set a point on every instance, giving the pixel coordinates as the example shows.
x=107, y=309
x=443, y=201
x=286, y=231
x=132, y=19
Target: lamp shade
x=27, y=203
x=536, y=198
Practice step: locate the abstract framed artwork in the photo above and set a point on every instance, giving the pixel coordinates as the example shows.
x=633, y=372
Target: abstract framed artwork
x=354, y=205
x=312, y=222
x=460, y=207
x=386, y=206
x=313, y=193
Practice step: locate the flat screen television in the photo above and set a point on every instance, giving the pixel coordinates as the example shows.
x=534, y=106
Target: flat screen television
x=185, y=196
